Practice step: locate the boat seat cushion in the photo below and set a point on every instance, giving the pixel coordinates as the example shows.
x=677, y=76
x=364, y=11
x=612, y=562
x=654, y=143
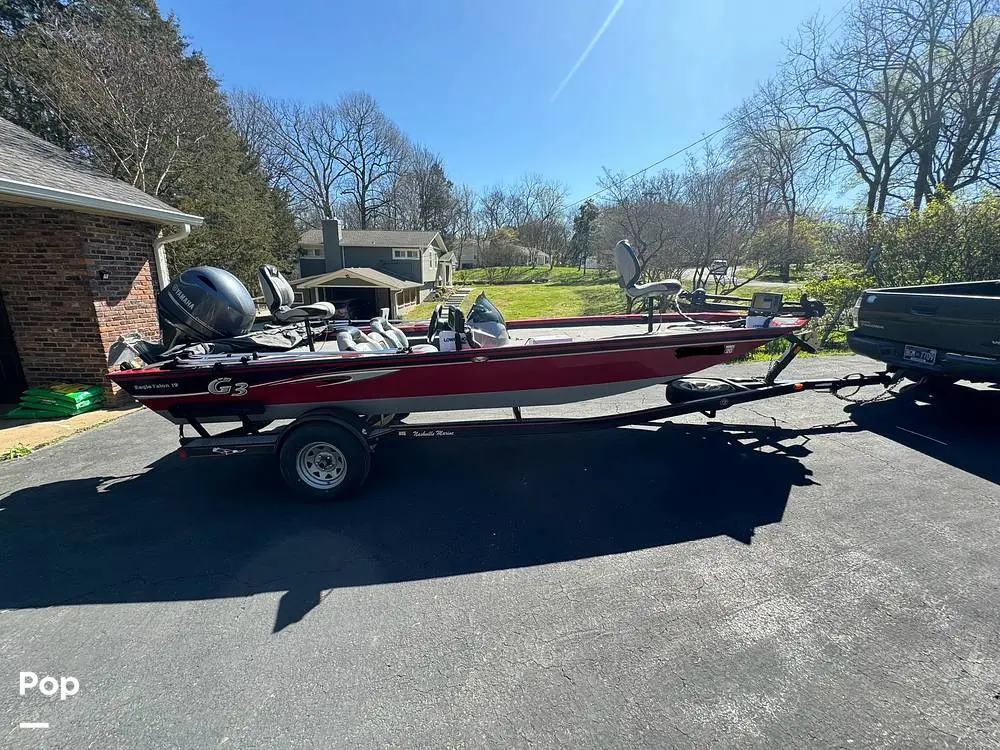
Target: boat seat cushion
x=278, y=295
x=629, y=271
x=276, y=290
x=356, y=340
x=313, y=311
x=391, y=333
x=665, y=288
x=379, y=340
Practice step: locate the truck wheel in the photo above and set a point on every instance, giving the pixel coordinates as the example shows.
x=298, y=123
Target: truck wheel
x=691, y=389
x=323, y=461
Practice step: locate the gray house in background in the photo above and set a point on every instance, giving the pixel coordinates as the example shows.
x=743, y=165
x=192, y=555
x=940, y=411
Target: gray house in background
x=366, y=271
x=471, y=253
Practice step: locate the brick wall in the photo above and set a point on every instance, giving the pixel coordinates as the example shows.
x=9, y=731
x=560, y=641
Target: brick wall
x=64, y=317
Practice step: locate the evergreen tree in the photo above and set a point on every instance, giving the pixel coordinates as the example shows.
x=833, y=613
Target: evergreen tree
x=585, y=232
x=117, y=79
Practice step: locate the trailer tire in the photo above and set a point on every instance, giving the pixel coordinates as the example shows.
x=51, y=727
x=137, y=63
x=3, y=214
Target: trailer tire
x=323, y=461
x=683, y=390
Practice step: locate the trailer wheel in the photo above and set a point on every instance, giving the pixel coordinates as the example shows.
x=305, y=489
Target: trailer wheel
x=684, y=390
x=323, y=461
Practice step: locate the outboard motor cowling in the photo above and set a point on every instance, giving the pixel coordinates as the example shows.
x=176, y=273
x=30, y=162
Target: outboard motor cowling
x=204, y=303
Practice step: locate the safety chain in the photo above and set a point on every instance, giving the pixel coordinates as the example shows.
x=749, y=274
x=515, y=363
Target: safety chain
x=882, y=395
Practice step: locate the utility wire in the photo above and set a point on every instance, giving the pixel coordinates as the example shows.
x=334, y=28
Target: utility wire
x=701, y=140
x=632, y=176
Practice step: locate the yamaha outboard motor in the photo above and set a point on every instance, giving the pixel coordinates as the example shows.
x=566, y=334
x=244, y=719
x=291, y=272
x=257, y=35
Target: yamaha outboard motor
x=204, y=303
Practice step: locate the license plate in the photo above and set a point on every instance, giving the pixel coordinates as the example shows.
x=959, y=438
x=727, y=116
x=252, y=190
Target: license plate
x=920, y=354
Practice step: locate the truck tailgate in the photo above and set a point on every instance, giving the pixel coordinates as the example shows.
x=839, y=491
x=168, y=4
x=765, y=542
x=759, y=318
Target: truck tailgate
x=938, y=317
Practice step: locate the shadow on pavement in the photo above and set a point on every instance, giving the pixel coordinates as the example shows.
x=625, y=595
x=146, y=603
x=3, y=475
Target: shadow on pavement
x=203, y=529
x=958, y=426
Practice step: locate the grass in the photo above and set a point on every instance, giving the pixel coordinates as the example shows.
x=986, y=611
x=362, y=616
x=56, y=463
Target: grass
x=17, y=451
x=774, y=350
x=552, y=300
x=567, y=292
x=572, y=294
x=527, y=275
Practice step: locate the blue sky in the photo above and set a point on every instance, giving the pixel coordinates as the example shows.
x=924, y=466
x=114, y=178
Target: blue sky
x=474, y=81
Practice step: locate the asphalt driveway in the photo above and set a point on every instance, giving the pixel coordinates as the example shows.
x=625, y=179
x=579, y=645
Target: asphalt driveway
x=816, y=578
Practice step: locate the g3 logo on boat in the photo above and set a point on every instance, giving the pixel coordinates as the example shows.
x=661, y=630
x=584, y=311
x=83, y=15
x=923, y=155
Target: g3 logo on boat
x=222, y=386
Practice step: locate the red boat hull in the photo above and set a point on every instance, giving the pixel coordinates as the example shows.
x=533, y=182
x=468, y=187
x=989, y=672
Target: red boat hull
x=286, y=386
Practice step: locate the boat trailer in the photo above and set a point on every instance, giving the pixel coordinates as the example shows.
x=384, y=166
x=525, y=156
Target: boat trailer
x=326, y=453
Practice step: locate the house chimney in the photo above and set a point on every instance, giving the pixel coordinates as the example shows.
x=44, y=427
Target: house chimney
x=333, y=249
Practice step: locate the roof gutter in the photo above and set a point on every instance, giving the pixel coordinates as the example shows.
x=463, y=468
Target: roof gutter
x=54, y=197
x=159, y=253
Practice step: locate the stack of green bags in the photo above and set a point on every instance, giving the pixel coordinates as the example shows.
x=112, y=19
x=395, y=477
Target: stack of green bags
x=60, y=400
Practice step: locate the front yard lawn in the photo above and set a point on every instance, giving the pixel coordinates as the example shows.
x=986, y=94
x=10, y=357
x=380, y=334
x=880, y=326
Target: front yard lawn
x=553, y=300
x=539, y=274
x=572, y=295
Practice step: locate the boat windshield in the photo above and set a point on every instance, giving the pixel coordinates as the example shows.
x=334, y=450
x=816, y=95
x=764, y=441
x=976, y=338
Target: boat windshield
x=484, y=311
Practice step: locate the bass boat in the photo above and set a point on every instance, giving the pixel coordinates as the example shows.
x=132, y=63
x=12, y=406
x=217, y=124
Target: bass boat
x=215, y=366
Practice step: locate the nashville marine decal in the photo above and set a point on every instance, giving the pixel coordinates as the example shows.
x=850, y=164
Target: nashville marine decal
x=222, y=386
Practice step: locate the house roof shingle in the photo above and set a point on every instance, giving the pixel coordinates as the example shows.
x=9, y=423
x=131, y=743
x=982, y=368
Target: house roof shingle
x=312, y=238
x=37, y=171
x=371, y=238
x=373, y=277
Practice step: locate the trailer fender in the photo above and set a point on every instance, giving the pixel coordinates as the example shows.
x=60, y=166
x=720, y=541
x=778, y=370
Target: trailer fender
x=340, y=417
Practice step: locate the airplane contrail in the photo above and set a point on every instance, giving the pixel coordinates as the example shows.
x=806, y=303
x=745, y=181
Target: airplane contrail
x=597, y=36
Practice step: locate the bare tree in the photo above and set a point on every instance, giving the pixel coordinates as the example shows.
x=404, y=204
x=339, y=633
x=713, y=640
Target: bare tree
x=644, y=210
x=854, y=97
x=371, y=152
x=710, y=215
x=422, y=195
x=499, y=256
x=250, y=115
x=775, y=159
x=906, y=98
x=534, y=207
x=956, y=81
x=466, y=221
x=299, y=147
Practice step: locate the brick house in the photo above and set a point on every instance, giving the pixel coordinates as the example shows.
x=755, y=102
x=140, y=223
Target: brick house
x=81, y=261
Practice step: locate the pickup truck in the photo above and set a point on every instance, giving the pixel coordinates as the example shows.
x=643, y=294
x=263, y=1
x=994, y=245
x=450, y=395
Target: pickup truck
x=937, y=334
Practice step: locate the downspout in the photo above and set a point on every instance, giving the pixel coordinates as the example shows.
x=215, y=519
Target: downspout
x=162, y=273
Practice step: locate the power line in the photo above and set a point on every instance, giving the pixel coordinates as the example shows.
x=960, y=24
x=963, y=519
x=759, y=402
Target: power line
x=701, y=140
x=632, y=176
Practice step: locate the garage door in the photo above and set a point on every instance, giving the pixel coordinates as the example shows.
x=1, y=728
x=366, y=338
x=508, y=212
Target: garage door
x=356, y=303
x=11, y=377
